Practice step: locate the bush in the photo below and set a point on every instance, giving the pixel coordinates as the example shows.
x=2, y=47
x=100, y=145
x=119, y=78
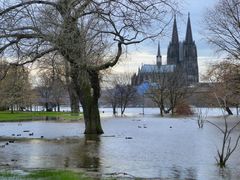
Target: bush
x=183, y=108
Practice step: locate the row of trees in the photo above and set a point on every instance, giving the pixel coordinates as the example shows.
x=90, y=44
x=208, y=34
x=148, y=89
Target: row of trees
x=167, y=90
x=89, y=36
x=170, y=93
x=15, y=88
x=51, y=90
x=18, y=93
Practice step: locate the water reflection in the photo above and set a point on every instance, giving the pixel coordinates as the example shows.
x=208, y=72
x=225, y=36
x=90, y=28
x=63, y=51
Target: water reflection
x=65, y=153
x=177, y=172
x=156, y=151
x=88, y=153
x=66, y=162
x=225, y=173
x=46, y=118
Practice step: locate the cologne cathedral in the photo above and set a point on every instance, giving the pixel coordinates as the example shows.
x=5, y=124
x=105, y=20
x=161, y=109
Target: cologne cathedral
x=181, y=56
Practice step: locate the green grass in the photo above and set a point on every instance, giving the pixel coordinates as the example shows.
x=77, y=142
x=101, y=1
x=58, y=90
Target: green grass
x=28, y=116
x=6, y=174
x=46, y=175
x=57, y=174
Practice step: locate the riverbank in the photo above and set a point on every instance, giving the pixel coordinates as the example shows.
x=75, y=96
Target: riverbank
x=7, y=116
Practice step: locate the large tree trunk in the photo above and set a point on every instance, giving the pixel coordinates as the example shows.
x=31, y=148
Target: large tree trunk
x=91, y=116
x=46, y=106
x=58, y=107
x=11, y=107
x=87, y=86
x=237, y=109
x=114, y=109
x=228, y=110
x=74, y=99
x=161, y=109
x=89, y=99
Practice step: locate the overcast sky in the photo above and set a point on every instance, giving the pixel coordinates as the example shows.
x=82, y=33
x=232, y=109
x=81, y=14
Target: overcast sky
x=145, y=53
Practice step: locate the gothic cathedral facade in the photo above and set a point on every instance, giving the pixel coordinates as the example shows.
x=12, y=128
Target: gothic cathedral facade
x=181, y=55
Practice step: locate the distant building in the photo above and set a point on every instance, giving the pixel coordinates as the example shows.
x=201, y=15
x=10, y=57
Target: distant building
x=181, y=55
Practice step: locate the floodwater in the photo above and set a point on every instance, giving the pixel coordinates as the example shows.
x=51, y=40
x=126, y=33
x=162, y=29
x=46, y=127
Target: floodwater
x=134, y=146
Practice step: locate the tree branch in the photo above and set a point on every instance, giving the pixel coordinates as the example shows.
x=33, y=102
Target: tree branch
x=36, y=57
x=27, y=3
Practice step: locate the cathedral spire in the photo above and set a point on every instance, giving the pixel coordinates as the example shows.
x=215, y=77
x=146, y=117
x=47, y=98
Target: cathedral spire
x=189, y=38
x=158, y=52
x=175, y=32
x=159, y=57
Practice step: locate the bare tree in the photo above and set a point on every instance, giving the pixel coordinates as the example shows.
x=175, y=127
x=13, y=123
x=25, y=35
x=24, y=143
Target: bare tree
x=74, y=100
x=225, y=83
x=125, y=94
x=222, y=27
x=168, y=89
x=32, y=29
x=4, y=67
x=110, y=97
x=45, y=91
x=201, y=117
x=16, y=89
x=158, y=90
x=120, y=93
x=228, y=146
x=224, y=77
x=59, y=94
x=54, y=73
x=177, y=89
x=60, y=74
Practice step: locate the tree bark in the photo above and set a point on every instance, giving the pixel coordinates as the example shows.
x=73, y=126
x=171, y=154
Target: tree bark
x=161, y=110
x=74, y=99
x=46, y=106
x=91, y=116
x=87, y=86
x=114, y=109
x=11, y=107
x=237, y=109
x=228, y=111
x=58, y=107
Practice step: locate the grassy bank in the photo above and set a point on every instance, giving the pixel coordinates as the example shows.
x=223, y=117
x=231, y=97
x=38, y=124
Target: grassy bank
x=45, y=175
x=28, y=116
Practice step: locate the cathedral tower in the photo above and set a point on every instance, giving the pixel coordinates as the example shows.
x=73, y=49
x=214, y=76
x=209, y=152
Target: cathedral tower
x=181, y=58
x=189, y=50
x=159, y=57
x=173, y=47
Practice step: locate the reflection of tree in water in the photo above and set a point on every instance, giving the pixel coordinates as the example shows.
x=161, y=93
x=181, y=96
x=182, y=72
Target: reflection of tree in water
x=91, y=156
x=183, y=173
x=58, y=153
x=66, y=162
x=225, y=173
x=85, y=154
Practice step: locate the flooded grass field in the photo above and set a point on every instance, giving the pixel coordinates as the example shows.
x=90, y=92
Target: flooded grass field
x=140, y=146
